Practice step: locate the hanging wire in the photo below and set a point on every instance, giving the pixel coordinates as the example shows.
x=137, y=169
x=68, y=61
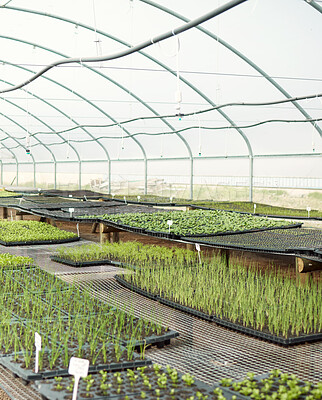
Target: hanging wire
x=182, y=130
x=97, y=41
x=199, y=136
x=28, y=127
x=185, y=27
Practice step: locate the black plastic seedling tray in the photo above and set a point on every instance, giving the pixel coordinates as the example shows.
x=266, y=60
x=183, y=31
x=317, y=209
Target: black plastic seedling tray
x=39, y=242
x=257, y=382
x=227, y=324
x=228, y=233
x=293, y=217
x=29, y=374
x=81, y=264
x=132, y=389
x=159, y=341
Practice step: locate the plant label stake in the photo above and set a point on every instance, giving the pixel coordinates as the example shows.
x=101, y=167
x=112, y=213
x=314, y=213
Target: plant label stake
x=125, y=200
x=198, y=250
x=255, y=208
x=70, y=195
x=79, y=368
x=71, y=210
x=308, y=209
x=171, y=199
x=38, y=348
x=169, y=222
x=11, y=215
x=85, y=197
x=77, y=226
x=139, y=198
x=113, y=195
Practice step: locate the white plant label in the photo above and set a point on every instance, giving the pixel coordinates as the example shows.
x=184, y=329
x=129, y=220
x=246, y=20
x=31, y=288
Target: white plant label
x=139, y=198
x=124, y=199
x=198, y=250
x=113, y=195
x=171, y=199
x=308, y=209
x=38, y=348
x=85, y=197
x=71, y=210
x=77, y=226
x=169, y=222
x=79, y=368
x=39, y=189
x=255, y=208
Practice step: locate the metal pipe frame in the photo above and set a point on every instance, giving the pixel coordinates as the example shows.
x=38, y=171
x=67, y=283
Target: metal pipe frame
x=251, y=156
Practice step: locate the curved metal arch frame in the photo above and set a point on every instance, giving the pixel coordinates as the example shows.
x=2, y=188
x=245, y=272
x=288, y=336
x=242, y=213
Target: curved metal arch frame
x=64, y=114
x=14, y=156
x=33, y=116
x=119, y=86
x=167, y=69
x=200, y=28
x=313, y=4
x=240, y=55
x=61, y=85
x=94, y=105
x=18, y=143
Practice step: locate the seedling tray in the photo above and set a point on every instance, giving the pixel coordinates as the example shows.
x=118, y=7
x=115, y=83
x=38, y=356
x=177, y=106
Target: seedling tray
x=135, y=288
x=91, y=263
x=29, y=374
x=278, y=380
x=81, y=263
x=39, y=242
x=258, y=214
x=159, y=341
x=228, y=233
x=227, y=324
x=181, y=390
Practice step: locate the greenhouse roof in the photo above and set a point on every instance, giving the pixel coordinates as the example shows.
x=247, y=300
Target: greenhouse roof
x=244, y=84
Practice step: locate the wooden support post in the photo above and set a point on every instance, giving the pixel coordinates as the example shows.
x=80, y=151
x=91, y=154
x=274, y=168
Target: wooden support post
x=4, y=212
x=47, y=220
x=52, y=222
x=115, y=237
x=94, y=227
x=104, y=233
x=190, y=246
x=225, y=256
x=304, y=265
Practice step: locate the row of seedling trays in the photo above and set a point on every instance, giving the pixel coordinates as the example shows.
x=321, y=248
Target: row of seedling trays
x=266, y=304
x=70, y=323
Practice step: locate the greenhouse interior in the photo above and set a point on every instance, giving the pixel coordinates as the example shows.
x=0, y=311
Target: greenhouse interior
x=161, y=199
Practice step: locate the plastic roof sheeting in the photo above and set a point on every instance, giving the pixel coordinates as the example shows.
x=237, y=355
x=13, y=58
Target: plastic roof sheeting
x=259, y=51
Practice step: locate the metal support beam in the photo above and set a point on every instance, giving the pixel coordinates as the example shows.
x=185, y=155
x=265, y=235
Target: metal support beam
x=251, y=177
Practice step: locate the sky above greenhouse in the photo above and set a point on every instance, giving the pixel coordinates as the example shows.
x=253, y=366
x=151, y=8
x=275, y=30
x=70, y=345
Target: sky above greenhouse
x=281, y=38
